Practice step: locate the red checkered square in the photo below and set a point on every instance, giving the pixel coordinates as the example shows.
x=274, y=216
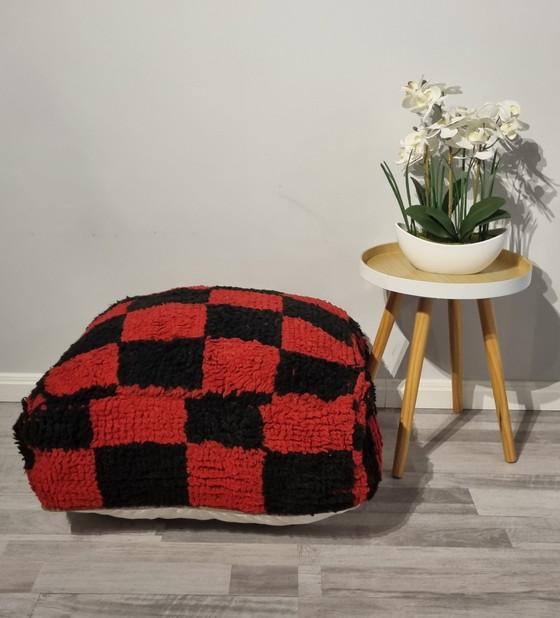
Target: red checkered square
x=95, y=368
x=165, y=322
x=118, y=420
x=246, y=298
x=236, y=366
x=65, y=479
x=225, y=478
x=296, y=423
x=115, y=311
x=301, y=336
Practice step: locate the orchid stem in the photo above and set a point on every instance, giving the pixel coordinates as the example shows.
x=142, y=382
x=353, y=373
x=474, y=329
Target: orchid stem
x=450, y=184
x=476, y=184
x=427, y=175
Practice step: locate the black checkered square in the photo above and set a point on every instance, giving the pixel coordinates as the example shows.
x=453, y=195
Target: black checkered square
x=298, y=373
x=231, y=421
x=142, y=474
x=228, y=321
x=63, y=424
x=109, y=331
x=297, y=483
x=169, y=364
x=323, y=319
x=177, y=295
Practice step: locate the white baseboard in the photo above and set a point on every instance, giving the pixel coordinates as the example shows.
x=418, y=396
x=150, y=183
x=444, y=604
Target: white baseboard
x=16, y=386
x=436, y=393
x=433, y=393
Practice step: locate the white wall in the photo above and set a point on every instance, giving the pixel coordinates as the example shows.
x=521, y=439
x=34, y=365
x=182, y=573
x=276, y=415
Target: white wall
x=148, y=144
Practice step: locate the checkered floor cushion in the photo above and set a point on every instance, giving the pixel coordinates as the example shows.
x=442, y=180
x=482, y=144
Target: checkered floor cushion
x=209, y=397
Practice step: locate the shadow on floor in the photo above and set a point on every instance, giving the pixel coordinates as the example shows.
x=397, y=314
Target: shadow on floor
x=388, y=510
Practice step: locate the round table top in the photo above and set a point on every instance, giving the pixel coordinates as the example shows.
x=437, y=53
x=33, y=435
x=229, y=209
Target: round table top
x=386, y=267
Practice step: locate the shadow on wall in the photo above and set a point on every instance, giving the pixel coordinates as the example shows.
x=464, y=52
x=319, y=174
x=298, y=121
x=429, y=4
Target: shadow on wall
x=528, y=191
x=536, y=324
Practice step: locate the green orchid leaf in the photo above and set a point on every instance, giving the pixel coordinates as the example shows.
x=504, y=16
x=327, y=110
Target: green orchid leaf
x=499, y=214
x=430, y=224
x=396, y=191
x=443, y=219
x=478, y=213
x=420, y=191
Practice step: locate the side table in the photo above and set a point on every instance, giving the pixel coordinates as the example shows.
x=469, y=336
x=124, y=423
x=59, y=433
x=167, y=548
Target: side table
x=385, y=266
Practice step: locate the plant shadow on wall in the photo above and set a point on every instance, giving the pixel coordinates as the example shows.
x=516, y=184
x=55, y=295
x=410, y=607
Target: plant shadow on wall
x=528, y=190
x=459, y=161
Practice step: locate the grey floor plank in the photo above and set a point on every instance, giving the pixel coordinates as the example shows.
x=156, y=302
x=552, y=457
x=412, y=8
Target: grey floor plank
x=17, y=575
x=517, y=502
x=456, y=580
x=32, y=521
x=430, y=559
x=264, y=580
x=481, y=458
x=134, y=578
x=38, y=521
x=487, y=480
x=309, y=580
x=17, y=605
x=68, y=550
x=428, y=605
x=170, y=606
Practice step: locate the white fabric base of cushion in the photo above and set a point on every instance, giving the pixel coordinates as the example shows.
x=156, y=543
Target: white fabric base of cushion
x=205, y=514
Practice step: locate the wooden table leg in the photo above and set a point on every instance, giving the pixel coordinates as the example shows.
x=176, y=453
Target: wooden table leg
x=491, y=345
x=416, y=359
x=456, y=346
x=385, y=326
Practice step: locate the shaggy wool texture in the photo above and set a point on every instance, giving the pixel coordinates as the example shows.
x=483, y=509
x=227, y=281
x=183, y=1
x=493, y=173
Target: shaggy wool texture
x=254, y=401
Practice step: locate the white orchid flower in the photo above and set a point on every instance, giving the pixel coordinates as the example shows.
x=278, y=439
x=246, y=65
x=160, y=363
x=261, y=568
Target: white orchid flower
x=411, y=87
x=508, y=109
x=509, y=128
x=458, y=113
x=465, y=131
x=488, y=112
x=480, y=135
x=447, y=90
x=414, y=144
x=484, y=154
x=460, y=139
x=451, y=120
x=421, y=97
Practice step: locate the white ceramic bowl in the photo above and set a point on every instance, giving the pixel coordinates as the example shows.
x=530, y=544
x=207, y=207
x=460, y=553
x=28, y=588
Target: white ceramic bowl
x=449, y=259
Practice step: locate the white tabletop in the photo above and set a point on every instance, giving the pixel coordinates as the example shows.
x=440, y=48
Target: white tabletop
x=386, y=267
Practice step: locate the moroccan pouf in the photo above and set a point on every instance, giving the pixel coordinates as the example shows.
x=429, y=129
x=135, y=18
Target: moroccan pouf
x=207, y=402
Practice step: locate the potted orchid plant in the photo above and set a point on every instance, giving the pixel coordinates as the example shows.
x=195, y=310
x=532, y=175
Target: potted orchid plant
x=451, y=161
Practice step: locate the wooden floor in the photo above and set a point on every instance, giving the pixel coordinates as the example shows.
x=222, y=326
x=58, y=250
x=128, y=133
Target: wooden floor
x=462, y=534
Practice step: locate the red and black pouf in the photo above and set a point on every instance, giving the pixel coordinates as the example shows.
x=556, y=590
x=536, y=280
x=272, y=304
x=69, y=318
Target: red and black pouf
x=209, y=397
